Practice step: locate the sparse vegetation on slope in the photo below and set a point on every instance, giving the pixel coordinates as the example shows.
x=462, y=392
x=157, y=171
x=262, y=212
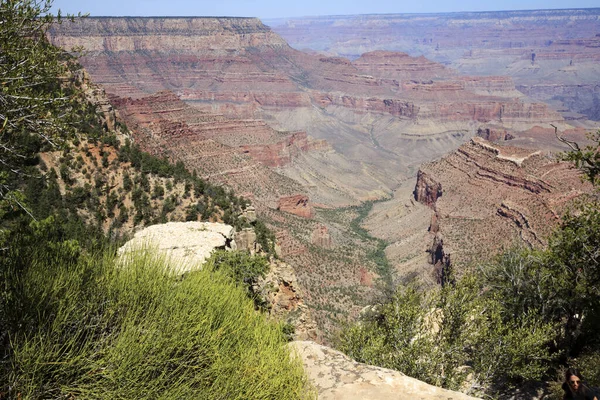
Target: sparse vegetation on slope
x=377, y=255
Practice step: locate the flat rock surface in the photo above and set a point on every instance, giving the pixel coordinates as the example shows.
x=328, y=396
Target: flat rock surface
x=189, y=244
x=337, y=377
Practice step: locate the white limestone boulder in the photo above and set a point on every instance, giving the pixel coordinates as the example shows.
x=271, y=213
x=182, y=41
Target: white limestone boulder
x=186, y=244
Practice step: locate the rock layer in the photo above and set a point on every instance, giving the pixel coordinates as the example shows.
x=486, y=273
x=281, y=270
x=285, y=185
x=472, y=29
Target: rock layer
x=551, y=54
x=369, y=109
x=494, y=197
x=298, y=205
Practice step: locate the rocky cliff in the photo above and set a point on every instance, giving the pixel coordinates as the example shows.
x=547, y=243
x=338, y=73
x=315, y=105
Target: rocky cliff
x=187, y=246
x=487, y=197
x=245, y=154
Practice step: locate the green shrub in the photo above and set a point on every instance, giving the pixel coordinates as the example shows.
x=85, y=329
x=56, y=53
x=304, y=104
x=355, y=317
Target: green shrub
x=442, y=336
x=98, y=328
x=244, y=269
x=264, y=237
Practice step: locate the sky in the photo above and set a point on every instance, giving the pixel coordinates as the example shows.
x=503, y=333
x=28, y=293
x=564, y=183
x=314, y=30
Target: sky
x=298, y=8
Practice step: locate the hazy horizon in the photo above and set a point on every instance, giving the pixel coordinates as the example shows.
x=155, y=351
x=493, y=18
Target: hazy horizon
x=273, y=9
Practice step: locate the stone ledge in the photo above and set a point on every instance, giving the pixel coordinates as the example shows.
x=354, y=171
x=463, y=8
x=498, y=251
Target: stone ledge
x=337, y=377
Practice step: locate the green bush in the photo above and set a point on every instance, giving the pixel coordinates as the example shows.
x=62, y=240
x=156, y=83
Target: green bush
x=99, y=328
x=244, y=269
x=444, y=335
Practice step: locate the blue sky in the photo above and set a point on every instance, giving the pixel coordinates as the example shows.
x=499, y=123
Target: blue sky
x=295, y=8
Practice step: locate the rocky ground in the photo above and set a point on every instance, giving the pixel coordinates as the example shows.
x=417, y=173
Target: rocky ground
x=337, y=377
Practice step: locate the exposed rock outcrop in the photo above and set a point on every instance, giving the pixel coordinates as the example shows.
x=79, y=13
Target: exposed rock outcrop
x=440, y=259
x=494, y=196
x=321, y=237
x=96, y=95
x=298, y=205
x=249, y=214
x=246, y=240
x=427, y=190
x=285, y=300
x=233, y=102
x=337, y=377
x=494, y=134
x=216, y=146
x=187, y=244
x=240, y=67
x=401, y=66
x=283, y=152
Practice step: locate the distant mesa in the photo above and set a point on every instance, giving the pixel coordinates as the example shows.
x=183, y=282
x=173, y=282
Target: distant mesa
x=551, y=57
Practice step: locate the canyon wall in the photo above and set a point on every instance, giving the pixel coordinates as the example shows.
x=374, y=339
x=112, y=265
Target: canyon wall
x=551, y=54
x=487, y=197
x=370, y=110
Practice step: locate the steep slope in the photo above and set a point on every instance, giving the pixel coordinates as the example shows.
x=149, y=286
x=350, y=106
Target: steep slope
x=102, y=180
x=488, y=197
x=471, y=204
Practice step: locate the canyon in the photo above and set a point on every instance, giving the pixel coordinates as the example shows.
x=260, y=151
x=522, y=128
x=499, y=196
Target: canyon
x=473, y=203
x=309, y=137
x=385, y=112
x=552, y=55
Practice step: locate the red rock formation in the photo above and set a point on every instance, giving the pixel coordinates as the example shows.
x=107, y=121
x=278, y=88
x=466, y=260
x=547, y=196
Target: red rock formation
x=297, y=205
x=366, y=278
x=282, y=153
x=494, y=196
x=242, y=66
x=434, y=225
x=427, y=190
x=396, y=65
x=492, y=111
x=494, y=134
x=552, y=54
x=488, y=84
x=395, y=107
x=170, y=119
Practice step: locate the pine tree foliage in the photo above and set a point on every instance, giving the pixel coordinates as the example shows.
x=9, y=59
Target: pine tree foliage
x=36, y=109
